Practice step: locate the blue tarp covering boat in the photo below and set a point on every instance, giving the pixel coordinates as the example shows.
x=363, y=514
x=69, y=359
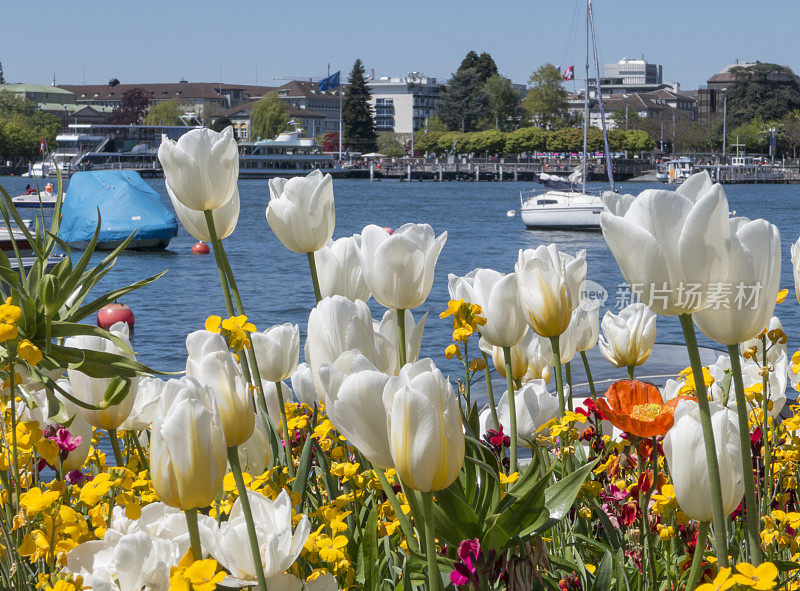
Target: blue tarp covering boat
x=126, y=204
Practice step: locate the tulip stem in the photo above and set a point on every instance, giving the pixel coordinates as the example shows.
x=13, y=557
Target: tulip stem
x=512, y=410
x=568, y=373
x=287, y=440
x=194, y=533
x=405, y=525
x=401, y=336
x=233, y=460
x=554, y=344
x=592, y=390
x=697, y=559
x=216, y=244
x=434, y=574
x=751, y=508
x=631, y=369
x=766, y=393
x=312, y=265
x=112, y=437
x=720, y=528
x=490, y=390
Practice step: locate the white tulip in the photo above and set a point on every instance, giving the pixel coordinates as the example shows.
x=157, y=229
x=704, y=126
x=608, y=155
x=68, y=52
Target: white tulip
x=795, y=254
x=534, y=405
x=671, y=246
x=567, y=347
x=187, y=449
x=146, y=405
x=130, y=562
x=219, y=373
x=628, y=337
x=254, y=453
x=586, y=324
x=301, y=211
x=774, y=348
x=303, y=385
x=550, y=285
x=426, y=437
x=527, y=359
x=399, y=267
x=273, y=403
x=93, y=390
x=498, y=297
x=201, y=168
x=225, y=218
x=688, y=468
x=339, y=269
x=333, y=375
x=199, y=344
x=414, y=330
x=277, y=545
x=457, y=286
x=755, y=263
x=337, y=325
x=723, y=383
x=358, y=413
x=277, y=351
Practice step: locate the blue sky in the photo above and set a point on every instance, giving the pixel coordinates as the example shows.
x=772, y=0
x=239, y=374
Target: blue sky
x=163, y=41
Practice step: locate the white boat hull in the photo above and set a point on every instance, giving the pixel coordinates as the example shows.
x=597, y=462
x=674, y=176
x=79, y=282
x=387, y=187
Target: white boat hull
x=562, y=218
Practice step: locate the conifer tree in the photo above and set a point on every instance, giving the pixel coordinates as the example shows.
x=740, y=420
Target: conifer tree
x=358, y=122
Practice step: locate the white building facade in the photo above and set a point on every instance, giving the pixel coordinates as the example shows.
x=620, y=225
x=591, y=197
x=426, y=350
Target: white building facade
x=402, y=104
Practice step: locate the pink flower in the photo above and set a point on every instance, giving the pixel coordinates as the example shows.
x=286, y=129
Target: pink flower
x=66, y=441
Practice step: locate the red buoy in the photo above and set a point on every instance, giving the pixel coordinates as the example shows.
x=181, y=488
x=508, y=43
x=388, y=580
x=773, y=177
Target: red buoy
x=389, y=230
x=200, y=248
x=110, y=314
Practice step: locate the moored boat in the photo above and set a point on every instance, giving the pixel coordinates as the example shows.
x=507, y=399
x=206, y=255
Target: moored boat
x=126, y=204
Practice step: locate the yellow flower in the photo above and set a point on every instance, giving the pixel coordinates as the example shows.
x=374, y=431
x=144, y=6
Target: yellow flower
x=761, y=577
x=9, y=315
x=781, y=296
x=197, y=575
x=721, y=582
x=466, y=318
x=213, y=324
x=35, y=501
x=477, y=365
x=29, y=352
x=452, y=350
x=93, y=490
x=510, y=479
x=64, y=586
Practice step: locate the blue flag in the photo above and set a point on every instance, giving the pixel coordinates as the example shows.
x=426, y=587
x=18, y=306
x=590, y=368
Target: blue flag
x=330, y=82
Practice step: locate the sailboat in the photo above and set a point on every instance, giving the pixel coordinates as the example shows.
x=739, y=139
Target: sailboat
x=567, y=205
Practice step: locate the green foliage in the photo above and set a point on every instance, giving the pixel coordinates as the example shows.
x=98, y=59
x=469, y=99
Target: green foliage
x=428, y=142
x=164, y=113
x=392, y=145
x=483, y=64
x=616, y=140
x=22, y=128
x=504, y=101
x=491, y=141
x=791, y=126
x=754, y=134
x=546, y=101
x=269, y=117
x=526, y=139
x=762, y=91
x=435, y=124
x=638, y=141
x=568, y=139
x=464, y=103
x=359, y=125
x=221, y=123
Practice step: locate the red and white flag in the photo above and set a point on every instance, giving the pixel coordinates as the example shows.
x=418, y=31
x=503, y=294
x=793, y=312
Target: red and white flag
x=569, y=74
x=43, y=148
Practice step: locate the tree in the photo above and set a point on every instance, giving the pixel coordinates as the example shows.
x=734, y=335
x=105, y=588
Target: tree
x=391, y=144
x=791, y=126
x=330, y=141
x=428, y=142
x=546, y=101
x=491, y=141
x=10, y=102
x=754, y=134
x=268, y=117
x=435, y=123
x=638, y=141
x=504, y=101
x=221, y=123
x=2, y=77
x=359, y=125
x=164, y=113
x=132, y=108
x=526, y=139
x=616, y=139
x=464, y=102
x=766, y=91
x=567, y=139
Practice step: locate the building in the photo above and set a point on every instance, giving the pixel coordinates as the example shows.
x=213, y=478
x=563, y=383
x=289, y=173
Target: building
x=60, y=102
x=628, y=76
x=41, y=93
x=711, y=97
x=195, y=98
x=658, y=103
x=311, y=122
x=402, y=104
x=305, y=94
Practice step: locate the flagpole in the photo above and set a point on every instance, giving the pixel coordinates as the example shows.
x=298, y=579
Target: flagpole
x=340, y=123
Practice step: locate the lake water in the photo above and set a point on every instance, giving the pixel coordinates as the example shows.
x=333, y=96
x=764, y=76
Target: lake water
x=276, y=287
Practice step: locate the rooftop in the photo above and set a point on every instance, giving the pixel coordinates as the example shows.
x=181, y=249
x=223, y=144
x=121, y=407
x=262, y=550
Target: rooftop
x=247, y=107
x=40, y=88
x=306, y=88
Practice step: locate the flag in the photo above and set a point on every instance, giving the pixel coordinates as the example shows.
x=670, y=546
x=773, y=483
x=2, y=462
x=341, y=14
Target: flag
x=330, y=82
x=569, y=74
x=43, y=148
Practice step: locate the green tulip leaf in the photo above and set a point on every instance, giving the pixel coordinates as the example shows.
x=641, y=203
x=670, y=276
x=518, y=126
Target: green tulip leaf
x=116, y=392
x=602, y=578
x=560, y=496
x=300, y=484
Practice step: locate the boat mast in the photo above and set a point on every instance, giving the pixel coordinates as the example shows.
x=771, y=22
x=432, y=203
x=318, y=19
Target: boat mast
x=609, y=160
x=585, y=104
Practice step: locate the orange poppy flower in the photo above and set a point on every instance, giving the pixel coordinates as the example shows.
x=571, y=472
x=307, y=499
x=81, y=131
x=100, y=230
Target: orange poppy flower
x=636, y=408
